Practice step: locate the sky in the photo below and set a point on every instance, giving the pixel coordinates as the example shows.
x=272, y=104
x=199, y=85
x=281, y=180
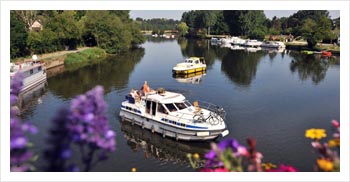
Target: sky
x=176, y=14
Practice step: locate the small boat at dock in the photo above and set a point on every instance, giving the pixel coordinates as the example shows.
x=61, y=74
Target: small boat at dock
x=171, y=115
x=326, y=54
x=33, y=73
x=190, y=65
x=307, y=52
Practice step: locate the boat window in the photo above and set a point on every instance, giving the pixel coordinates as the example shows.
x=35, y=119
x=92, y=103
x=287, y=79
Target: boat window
x=197, y=62
x=161, y=109
x=171, y=107
x=154, y=106
x=189, y=61
x=188, y=104
x=181, y=106
x=148, y=106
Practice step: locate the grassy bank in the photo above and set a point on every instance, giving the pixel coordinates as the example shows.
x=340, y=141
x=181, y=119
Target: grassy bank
x=84, y=56
x=319, y=47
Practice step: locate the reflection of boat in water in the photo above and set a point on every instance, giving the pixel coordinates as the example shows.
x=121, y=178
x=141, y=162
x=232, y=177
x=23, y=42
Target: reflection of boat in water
x=190, y=65
x=32, y=96
x=252, y=49
x=171, y=115
x=194, y=78
x=158, y=147
x=33, y=74
x=273, y=50
x=237, y=47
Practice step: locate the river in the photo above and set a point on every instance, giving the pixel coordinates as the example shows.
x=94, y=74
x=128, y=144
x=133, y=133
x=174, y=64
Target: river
x=271, y=96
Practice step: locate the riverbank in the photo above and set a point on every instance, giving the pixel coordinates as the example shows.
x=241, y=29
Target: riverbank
x=59, y=58
x=301, y=46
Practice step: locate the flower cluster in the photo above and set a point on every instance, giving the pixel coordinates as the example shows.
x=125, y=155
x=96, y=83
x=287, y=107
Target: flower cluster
x=230, y=156
x=88, y=120
x=20, y=154
x=85, y=124
x=328, y=159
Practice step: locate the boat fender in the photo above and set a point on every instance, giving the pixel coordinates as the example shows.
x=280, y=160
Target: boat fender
x=132, y=121
x=164, y=133
x=177, y=137
x=152, y=128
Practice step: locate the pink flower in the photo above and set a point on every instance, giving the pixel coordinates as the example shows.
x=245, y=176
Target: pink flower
x=335, y=123
x=283, y=168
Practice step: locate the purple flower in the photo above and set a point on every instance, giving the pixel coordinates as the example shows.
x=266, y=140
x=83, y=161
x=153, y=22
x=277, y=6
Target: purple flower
x=19, y=152
x=16, y=84
x=88, y=120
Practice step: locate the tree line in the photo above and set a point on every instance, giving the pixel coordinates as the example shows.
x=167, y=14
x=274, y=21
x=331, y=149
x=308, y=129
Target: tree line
x=157, y=25
x=312, y=25
x=114, y=31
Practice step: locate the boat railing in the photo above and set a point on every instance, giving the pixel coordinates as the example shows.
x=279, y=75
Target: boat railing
x=212, y=108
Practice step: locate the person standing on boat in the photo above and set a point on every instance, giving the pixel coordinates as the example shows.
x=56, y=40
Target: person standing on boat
x=146, y=88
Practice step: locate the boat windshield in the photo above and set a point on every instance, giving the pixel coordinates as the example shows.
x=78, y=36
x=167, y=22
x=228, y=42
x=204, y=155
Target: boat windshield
x=181, y=105
x=171, y=107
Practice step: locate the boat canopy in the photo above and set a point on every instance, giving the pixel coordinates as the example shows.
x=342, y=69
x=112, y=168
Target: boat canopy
x=166, y=97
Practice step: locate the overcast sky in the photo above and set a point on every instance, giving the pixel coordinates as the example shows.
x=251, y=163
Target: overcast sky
x=176, y=14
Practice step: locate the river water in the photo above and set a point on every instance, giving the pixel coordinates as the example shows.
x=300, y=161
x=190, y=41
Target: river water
x=271, y=96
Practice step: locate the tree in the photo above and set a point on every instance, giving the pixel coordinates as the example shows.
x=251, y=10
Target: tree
x=182, y=28
x=28, y=17
x=67, y=28
x=18, y=37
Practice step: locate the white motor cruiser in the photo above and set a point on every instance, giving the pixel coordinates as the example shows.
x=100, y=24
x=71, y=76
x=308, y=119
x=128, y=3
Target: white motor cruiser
x=171, y=115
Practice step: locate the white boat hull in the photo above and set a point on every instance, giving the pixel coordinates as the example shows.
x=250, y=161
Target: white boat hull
x=171, y=131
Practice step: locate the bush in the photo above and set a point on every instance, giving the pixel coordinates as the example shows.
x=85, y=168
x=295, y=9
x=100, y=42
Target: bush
x=85, y=55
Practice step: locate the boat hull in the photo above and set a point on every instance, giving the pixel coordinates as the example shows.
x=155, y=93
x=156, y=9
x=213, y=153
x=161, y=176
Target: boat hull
x=170, y=131
x=189, y=71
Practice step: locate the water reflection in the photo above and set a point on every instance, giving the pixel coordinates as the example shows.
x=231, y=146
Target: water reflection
x=201, y=48
x=113, y=72
x=241, y=66
x=32, y=97
x=310, y=66
x=154, y=145
x=193, y=78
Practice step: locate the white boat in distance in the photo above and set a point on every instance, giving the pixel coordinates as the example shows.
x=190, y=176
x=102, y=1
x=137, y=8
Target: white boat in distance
x=171, y=115
x=252, y=43
x=33, y=74
x=273, y=44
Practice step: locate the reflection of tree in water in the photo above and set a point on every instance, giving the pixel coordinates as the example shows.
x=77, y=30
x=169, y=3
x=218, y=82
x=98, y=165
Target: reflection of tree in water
x=165, y=149
x=112, y=72
x=201, y=48
x=310, y=66
x=241, y=66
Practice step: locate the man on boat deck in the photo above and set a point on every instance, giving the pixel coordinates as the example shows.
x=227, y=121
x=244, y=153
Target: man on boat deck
x=146, y=88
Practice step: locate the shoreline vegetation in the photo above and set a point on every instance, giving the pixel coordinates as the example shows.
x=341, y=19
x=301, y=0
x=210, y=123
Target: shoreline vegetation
x=43, y=31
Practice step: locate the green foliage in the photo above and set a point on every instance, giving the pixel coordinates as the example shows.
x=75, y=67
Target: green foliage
x=182, y=28
x=84, y=56
x=112, y=30
x=18, y=37
x=156, y=24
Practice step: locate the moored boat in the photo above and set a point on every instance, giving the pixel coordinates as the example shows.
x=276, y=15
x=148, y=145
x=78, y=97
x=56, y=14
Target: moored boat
x=326, y=54
x=307, y=52
x=33, y=74
x=190, y=65
x=171, y=115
